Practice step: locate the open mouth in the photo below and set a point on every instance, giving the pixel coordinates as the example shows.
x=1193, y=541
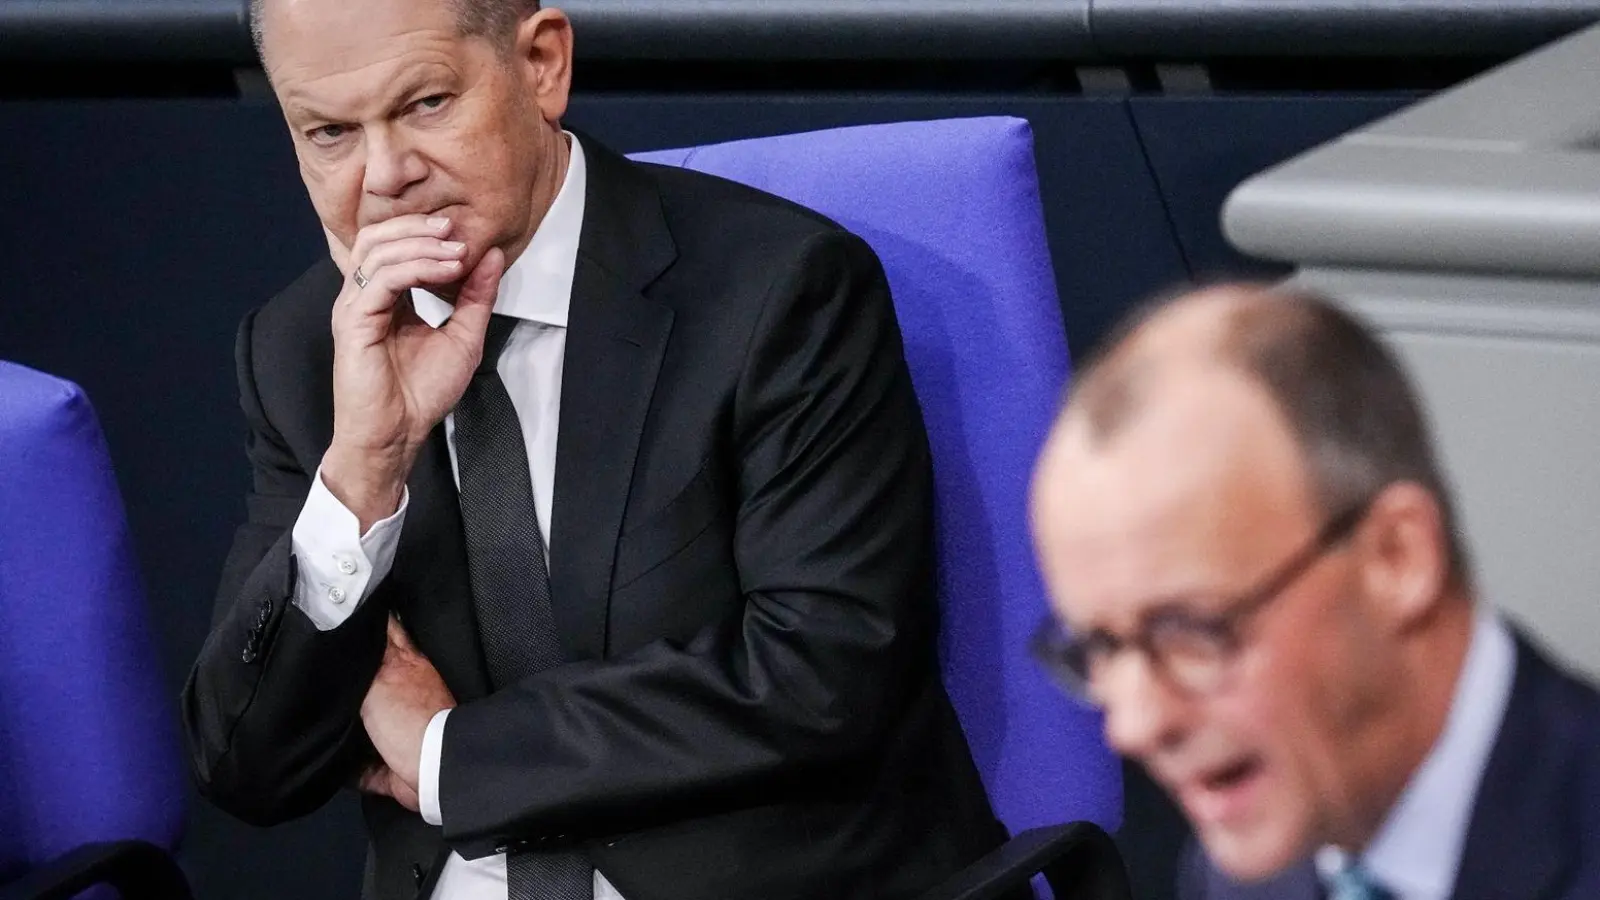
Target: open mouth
x=1231, y=775
x=1223, y=793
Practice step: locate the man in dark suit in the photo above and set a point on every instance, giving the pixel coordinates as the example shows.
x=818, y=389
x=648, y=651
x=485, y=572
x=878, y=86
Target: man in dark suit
x=592, y=540
x=1250, y=544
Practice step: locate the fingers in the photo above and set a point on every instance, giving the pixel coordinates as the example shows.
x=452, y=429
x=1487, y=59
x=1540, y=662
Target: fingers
x=405, y=795
x=407, y=249
x=398, y=637
x=338, y=251
x=385, y=285
x=482, y=287
x=381, y=780
x=432, y=231
x=394, y=654
x=394, y=256
x=413, y=273
x=374, y=779
x=397, y=229
x=476, y=298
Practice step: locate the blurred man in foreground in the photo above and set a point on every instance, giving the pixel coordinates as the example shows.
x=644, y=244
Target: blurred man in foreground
x=1255, y=559
x=590, y=531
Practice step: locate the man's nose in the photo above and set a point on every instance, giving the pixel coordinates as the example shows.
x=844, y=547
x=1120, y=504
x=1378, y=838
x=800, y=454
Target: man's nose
x=1143, y=713
x=392, y=164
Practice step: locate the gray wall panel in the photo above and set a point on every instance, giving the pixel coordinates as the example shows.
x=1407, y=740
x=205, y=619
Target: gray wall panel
x=1201, y=148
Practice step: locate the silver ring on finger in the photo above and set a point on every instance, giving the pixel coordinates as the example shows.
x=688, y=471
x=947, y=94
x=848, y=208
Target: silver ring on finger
x=360, y=279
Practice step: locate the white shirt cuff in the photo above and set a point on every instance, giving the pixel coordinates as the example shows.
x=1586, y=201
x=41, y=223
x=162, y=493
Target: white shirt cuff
x=338, y=566
x=428, y=771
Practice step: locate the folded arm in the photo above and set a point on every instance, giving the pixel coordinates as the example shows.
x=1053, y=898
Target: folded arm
x=271, y=706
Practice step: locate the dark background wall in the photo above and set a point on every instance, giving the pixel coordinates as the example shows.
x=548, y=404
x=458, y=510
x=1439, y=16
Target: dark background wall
x=149, y=197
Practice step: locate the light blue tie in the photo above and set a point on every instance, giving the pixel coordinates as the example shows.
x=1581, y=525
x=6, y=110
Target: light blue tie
x=1355, y=883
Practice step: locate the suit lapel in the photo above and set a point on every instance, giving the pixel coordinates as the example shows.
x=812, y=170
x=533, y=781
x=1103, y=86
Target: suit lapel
x=1515, y=845
x=616, y=339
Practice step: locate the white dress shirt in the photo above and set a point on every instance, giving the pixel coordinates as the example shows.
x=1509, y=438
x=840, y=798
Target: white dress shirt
x=338, y=567
x=1417, y=852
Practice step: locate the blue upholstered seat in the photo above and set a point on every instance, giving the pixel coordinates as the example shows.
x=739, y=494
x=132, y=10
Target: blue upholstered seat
x=952, y=208
x=88, y=734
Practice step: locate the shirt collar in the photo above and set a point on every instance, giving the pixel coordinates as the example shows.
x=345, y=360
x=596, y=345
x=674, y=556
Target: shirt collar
x=1417, y=851
x=538, y=285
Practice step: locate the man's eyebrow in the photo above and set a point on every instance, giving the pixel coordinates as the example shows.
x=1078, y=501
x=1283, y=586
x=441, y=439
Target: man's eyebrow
x=300, y=113
x=300, y=109
x=417, y=80
x=297, y=106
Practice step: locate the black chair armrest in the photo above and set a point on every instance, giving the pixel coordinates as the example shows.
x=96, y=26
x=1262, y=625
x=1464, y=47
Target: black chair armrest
x=137, y=869
x=1079, y=860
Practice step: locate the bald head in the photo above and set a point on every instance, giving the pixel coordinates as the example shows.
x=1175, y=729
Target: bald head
x=1149, y=351
x=1341, y=393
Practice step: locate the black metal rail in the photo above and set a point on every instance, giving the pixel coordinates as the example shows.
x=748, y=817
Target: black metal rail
x=1088, y=31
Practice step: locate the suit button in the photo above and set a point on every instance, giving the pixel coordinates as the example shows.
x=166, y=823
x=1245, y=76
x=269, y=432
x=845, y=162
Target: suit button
x=252, y=645
x=417, y=874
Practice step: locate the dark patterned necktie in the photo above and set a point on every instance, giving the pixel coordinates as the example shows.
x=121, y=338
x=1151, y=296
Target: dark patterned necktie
x=510, y=581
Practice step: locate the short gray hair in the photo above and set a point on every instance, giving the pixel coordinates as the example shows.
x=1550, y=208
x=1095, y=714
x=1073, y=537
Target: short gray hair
x=492, y=19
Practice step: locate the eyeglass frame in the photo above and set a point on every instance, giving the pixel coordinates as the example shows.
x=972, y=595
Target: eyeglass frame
x=1051, y=647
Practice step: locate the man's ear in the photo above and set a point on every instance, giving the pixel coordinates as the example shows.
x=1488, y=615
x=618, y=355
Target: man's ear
x=1404, y=554
x=543, y=49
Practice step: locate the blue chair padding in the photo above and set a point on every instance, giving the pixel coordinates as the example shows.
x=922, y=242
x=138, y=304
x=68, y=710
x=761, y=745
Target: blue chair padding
x=88, y=732
x=952, y=208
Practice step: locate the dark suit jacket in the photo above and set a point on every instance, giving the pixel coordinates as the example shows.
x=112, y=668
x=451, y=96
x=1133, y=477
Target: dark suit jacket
x=1535, y=827
x=741, y=575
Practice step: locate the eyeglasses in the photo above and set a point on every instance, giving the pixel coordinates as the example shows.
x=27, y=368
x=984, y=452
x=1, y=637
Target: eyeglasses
x=1191, y=650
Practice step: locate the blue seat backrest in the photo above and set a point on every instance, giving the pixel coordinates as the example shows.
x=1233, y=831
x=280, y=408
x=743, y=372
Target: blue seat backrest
x=88, y=727
x=952, y=208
